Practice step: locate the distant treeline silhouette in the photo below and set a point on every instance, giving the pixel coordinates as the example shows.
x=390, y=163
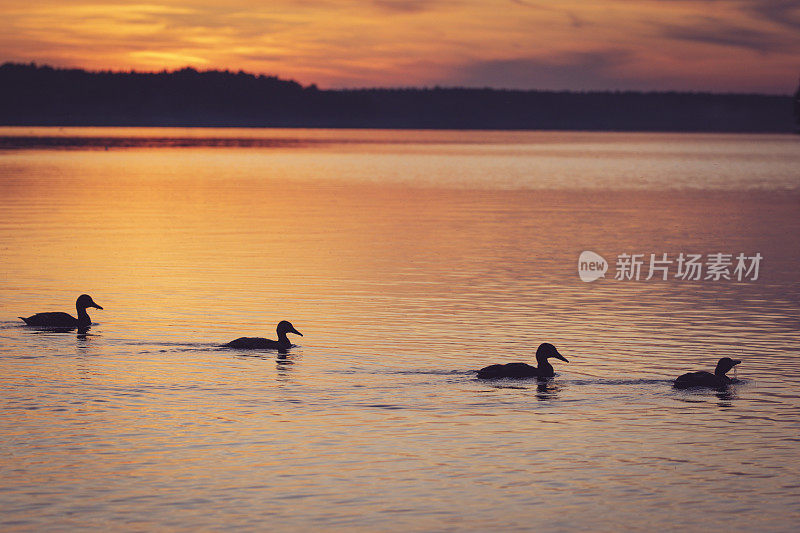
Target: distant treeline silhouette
x=41, y=95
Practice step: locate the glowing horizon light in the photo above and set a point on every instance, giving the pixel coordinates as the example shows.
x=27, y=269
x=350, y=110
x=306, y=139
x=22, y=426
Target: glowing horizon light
x=739, y=46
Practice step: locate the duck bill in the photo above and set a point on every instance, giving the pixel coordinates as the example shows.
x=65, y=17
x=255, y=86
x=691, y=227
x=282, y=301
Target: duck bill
x=295, y=332
x=95, y=306
x=559, y=356
x=735, y=362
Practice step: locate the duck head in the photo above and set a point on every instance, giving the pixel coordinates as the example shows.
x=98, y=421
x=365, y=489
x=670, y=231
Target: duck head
x=284, y=327
x=84, y=301
x=547, y=351
x=725, y=364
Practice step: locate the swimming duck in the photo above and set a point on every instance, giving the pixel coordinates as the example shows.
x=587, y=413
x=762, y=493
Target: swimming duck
x=65, y=320
x=282, y=343
x=706, y=379
x=522, y=370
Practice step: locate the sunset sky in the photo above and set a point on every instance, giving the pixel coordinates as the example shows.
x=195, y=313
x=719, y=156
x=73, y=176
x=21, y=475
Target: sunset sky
x=716, y=45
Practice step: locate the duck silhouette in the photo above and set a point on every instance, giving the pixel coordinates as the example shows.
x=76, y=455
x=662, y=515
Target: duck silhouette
x=706, y=379
x=522, y=370
x=65, y=321
x=252, y=343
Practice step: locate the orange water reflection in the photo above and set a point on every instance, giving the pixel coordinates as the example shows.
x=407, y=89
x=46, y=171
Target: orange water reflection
x=405, y=266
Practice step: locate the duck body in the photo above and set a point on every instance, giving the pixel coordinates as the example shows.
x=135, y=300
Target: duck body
x=58, y=320
x=52, y=320
x=523, y=370
x=260, y=343
x=509, y=370
x=254, y=343
x=706, y=379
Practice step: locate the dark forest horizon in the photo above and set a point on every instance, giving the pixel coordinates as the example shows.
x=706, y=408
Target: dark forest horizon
x=41, y=95
x=237, y=72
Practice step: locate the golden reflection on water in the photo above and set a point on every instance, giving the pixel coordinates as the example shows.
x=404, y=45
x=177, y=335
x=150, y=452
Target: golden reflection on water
x=407, y=259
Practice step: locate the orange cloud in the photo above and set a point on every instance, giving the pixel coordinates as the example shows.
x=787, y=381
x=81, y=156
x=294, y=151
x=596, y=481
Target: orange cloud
x=574, y=44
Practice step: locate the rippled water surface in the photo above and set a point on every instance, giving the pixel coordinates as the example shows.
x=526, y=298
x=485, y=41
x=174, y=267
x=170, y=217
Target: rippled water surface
x=407, y=260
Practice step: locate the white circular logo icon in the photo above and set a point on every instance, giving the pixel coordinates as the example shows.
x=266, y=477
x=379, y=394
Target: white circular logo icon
x=591, y=266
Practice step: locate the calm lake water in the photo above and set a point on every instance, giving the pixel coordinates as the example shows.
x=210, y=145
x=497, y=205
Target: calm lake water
x=407, y=259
